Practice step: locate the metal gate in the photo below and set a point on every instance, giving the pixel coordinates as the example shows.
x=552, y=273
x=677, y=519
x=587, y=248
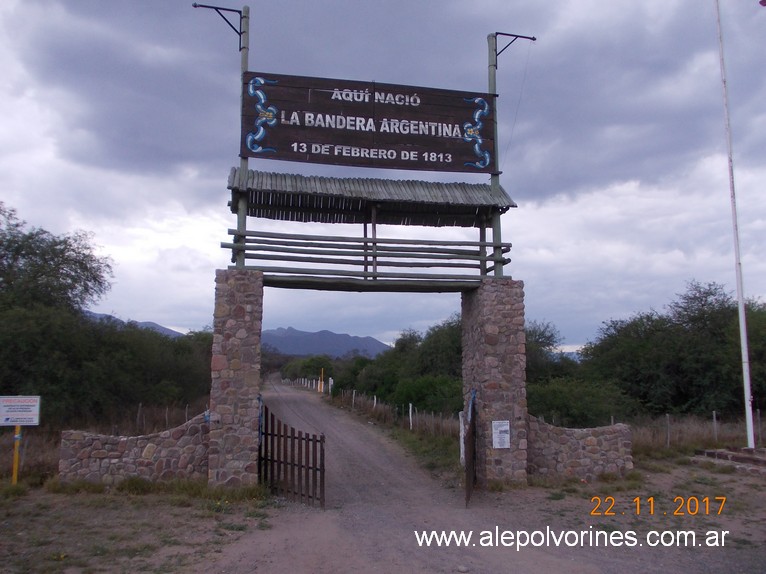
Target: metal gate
x=290, y=462
x=470, y=449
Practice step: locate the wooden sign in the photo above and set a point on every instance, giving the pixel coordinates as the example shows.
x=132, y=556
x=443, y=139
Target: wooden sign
x=367, y=124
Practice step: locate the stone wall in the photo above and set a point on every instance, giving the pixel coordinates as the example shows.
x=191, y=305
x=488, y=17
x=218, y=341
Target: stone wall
x=179, y=453
x=236, y=377
x=579, y=453
x=221, y=446
x=494, y=366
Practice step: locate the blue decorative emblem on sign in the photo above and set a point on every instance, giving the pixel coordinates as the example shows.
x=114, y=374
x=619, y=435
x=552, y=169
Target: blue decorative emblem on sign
x=267, y=116
x=472, y=133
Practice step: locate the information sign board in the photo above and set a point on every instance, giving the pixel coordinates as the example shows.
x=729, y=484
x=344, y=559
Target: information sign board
x=19, y=411
x=501, y=434
x=367, y=124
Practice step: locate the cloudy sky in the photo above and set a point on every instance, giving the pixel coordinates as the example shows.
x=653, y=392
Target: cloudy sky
x=122, y=119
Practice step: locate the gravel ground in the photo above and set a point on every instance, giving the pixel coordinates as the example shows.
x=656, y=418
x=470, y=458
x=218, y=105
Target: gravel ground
x=377, y=498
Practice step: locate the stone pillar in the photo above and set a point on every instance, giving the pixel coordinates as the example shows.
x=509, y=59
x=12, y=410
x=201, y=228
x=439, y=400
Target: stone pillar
x=235, y=373
x=494, y=365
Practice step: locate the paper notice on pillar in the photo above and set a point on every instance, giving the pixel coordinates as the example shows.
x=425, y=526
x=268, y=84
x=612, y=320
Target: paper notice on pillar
x=501, y=434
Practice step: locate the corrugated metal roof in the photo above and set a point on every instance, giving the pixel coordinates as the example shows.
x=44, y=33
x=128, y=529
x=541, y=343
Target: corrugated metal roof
x=350, y=200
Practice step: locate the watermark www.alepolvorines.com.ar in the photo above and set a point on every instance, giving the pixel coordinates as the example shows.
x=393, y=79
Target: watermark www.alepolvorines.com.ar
x=520, y=539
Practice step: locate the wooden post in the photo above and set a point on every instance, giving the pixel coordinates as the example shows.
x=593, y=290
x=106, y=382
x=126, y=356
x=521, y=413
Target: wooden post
x=307, y=469
x=374, y=243
x=483, y=249
x=301, y=486
x=272, y=449
x=321, y=470
x=366, y=255
x=244, y=32
x=497, y=252
x=285, y=478
x=492, y=85
x=497, y=249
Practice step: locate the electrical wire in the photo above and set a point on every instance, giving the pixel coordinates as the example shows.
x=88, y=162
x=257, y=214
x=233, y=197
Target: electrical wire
x=518, y=101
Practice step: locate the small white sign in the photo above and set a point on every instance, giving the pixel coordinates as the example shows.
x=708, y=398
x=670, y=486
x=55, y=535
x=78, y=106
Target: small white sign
x=19, y=411
x=501, y=434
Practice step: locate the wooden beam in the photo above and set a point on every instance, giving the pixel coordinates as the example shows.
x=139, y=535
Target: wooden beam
x=274, y=235
x=360, y=285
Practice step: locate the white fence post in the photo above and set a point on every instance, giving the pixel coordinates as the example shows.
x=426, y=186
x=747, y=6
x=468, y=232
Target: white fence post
x=667, y=421
x=715, y=429
x=461, y=418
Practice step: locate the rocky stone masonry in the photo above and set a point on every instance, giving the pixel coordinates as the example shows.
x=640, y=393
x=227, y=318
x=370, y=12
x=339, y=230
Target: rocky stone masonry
x=179, y=453
x=236, y=374
x=222, y=447
x=579, y=453
x=494, y=365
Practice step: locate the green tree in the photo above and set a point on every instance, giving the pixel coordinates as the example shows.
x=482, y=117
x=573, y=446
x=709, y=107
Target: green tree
x=39, y=268
x=575, y=402
x=685, y=360
x=381, y=376
x=309, y=367
x=86, y=371
x=440, y=350
x=544, y=360
x=434, y=393
x=347, y=371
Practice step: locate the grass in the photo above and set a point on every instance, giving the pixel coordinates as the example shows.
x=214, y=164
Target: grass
x=55, y=486
x=87, y=528
x=233, y=526
x=11, y=491
x=438, y=454
x=126, y=526
x=39, y=455
x=179, y=492
x=658, y=439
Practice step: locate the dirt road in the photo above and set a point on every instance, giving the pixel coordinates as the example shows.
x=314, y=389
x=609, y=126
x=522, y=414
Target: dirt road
x=378, y=497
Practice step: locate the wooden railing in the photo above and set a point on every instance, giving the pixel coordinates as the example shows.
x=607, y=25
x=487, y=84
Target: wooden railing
x=364, y=263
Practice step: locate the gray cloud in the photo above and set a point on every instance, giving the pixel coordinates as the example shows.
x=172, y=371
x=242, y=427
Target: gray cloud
x=123, y=118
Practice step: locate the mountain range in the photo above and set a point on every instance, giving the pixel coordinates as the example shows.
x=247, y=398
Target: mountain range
x=151, y=325
x=294, y=342
x=287, y=341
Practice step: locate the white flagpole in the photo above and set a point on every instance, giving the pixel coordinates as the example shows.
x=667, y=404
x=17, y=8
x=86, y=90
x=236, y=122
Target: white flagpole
x=738, y=263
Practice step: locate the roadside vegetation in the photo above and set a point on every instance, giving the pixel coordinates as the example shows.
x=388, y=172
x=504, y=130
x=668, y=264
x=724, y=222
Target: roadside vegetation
x=684, y=361
x=135, y=527
x=89, y=373
x=663, y=371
